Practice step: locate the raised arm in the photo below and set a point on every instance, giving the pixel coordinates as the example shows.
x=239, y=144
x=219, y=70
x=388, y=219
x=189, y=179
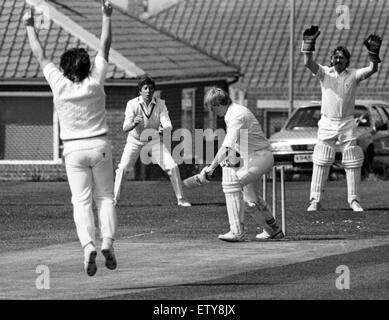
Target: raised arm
x=308, y=47
x=373, y=45
x=35, y=44
x=310, y=63
x=106, y=30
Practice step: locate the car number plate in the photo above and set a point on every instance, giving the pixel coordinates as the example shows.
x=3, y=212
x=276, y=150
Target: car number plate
x=300, y=158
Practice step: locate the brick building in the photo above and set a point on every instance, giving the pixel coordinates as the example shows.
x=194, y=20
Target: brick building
x=30, y=147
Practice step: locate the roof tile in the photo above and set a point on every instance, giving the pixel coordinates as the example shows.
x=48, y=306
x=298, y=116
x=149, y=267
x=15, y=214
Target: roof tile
x=255, y=35
x=155, y=52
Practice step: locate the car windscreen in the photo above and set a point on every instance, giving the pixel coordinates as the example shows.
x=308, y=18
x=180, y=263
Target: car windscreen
x=308, y=117
x=304, y=118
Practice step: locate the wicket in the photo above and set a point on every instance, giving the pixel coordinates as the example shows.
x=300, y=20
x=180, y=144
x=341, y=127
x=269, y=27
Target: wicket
x=281, y=168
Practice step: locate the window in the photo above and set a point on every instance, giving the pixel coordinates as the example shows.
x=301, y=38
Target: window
x=28, y=128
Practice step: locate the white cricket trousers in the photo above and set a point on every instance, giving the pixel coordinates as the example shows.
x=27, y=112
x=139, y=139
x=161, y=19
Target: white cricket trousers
x=89, y=170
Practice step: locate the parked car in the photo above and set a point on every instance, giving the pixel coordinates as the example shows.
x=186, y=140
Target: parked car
x=294, y=144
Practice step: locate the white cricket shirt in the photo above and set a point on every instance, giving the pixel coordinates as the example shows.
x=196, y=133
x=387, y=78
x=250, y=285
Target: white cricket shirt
x=338, y=91
x=80, y=106
x=154, y=114
x=244, y=133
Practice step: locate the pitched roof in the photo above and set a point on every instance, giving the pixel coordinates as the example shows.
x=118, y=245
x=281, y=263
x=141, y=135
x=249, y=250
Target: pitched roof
x=254, y=34
x=142, y=46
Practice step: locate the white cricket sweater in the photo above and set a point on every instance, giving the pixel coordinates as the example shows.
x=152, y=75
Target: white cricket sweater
x=80, y=106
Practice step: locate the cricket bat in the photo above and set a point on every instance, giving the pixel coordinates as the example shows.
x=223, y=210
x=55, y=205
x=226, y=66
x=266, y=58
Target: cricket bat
x=197, y=180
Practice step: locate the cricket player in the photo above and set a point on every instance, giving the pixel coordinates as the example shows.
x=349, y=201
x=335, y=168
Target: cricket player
x=148, y=112
x=338, y=85
x=79, y=100
x=240, y=180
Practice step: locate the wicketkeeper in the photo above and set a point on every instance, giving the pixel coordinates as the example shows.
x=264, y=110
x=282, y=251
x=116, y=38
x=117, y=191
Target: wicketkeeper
x=338, y=85
x=240, y=181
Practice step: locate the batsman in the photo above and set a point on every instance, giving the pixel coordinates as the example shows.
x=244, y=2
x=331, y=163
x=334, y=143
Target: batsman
x=337, y=125
x=241, y=175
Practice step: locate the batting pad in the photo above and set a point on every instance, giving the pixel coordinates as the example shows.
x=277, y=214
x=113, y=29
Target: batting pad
x=323, y=155
x=353, y=157
x=353, y=160
x=319, y=178
x=234, y=199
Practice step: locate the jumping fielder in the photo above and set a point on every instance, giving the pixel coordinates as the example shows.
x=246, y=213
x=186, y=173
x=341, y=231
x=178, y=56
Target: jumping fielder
x=79, y=100
x=338, y=86
x=240, y=182
x=148, y=112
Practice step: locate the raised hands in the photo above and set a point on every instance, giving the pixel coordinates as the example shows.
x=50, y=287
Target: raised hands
x=28, y=18
x=309, y=39
x=106, y=8
x=373, y=45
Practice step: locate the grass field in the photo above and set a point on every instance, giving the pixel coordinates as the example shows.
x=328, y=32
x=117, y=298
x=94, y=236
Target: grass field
x=170, y=252
x=39, y=214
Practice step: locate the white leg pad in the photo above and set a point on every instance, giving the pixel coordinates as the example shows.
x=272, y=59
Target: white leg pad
x=353, y=157
x=353, y=160
x=353, y=177
x=234, y=200
x=323, y=157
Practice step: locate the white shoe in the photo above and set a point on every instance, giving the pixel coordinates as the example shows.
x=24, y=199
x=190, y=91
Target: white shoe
x=356, y=206
x=277, y=234
x=183, y=203
x=231, y=237
x=314, y=206
x=90, y=266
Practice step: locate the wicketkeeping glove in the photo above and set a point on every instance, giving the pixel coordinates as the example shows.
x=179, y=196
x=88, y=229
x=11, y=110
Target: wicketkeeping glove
x=309, y=39
x=373, y=45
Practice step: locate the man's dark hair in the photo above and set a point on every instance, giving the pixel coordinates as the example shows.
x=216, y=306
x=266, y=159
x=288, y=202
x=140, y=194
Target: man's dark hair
x=75, y=64
x=143, y=80
x=346, y=54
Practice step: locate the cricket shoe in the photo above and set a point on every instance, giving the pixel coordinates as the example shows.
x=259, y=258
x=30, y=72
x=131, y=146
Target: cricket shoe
x=183, y=203
x=356, y=206
x=90, y=266
x=109, y=253
x=314, y=206
x=264, y=235
x=110, y=259
x=231, y=237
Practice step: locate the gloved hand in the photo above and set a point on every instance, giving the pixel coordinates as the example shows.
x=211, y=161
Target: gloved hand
x=207, y=173
x=309, y=39
x=28, y=18
x=373, y=45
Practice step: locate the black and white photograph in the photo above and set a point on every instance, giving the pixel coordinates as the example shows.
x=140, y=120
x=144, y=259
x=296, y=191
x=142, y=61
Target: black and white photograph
x=194, y=155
